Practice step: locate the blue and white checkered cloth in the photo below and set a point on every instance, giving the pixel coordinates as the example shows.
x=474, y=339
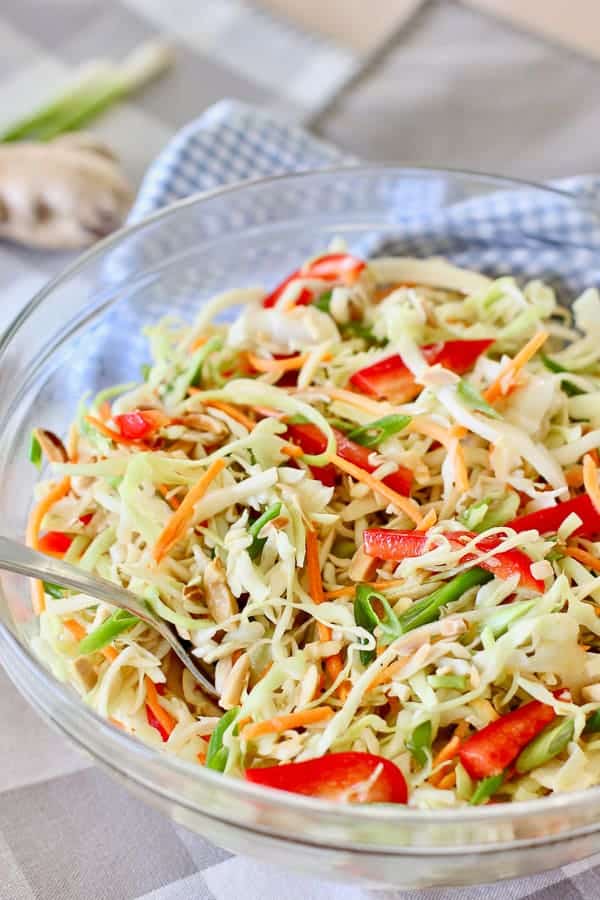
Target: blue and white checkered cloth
x=519, y=231
x=506, y=231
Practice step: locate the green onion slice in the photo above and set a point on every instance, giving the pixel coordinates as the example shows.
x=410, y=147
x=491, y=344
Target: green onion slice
x=104, y=634
x=380, y=430
x=216, y=756
x=255, y=548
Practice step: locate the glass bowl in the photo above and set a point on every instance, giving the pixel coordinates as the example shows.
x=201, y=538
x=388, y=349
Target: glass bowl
x=83, y=332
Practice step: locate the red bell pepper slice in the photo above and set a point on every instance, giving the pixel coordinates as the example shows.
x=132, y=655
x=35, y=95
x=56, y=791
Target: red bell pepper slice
x=139, y=424
x=549, y=520
x=387, y=543
x=390, y=378
x=54, y=543
x=491, y=750
x=312, y=440
x=339, y=777
x=154, y=722
x=332, y=267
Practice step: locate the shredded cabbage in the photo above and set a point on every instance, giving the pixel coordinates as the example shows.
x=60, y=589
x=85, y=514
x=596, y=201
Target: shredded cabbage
x=259, y=572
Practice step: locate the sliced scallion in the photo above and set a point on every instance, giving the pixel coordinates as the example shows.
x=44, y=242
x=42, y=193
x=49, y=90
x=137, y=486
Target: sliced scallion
x=216, y=755
x=104, y=634
x=256, y=547
x=375, y=433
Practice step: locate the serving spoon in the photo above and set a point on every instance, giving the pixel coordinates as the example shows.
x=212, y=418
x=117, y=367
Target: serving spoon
x=15, y=557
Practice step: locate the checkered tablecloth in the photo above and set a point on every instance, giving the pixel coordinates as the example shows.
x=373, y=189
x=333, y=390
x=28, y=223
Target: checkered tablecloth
x=67, y=832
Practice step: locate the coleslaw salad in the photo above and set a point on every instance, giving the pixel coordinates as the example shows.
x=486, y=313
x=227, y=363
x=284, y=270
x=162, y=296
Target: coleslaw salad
x=371, y=505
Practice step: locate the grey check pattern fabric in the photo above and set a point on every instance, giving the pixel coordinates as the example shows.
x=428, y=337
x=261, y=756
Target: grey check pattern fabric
x=67, y=831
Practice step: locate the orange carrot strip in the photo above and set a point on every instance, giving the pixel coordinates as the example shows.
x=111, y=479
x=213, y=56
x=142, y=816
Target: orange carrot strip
x=349, y=589
x=446, y=754
x=32, y=535
x=448, y=781
x=282, y=723
x=199, y=342
x=201, y=757
x=574, y=476
x=407, y=505
x=181, y=518
x=79, y=632
x=113, y=435
x=582, y=556
x=232, y=412
x=116, y=723
x=293, y=451
x=590, y=480
x=509, y=371
x=173, y=502
x=334, y=664
x=313, y=567
x=260, y=364
x=164, y=717
x=358, y=400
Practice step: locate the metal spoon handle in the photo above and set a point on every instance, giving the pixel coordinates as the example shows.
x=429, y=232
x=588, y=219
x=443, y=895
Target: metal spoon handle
x=15, y=557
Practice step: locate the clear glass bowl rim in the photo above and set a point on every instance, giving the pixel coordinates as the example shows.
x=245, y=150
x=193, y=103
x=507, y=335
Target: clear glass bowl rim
x=128, y=747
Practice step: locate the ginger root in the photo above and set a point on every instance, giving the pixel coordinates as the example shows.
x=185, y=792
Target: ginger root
x=64, y=194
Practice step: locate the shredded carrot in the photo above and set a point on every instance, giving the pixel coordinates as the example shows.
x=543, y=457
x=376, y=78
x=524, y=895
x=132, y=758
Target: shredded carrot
x=201, y=757
x=590, y=480
x=293, y=451
x=448, y=781
x=116, y=723
x=388, y=673
x=348, y=591
x=343, y=690
x=574, y=476
x=358, y=400
x=104, y=411
x=446, y=754
x=313, y=567
x=79, y=632
x=160, y=713
x=462, y=729
x=245, y=720
x=282, y=723
x=173, y=502
x=260, y=364
x=289, y=364
x=506, y=377
x=232, y=412
x=181, y=518
x=407, y=505
x=113, y=435
x=32, y=535
x=198, y=342
x=582, y=556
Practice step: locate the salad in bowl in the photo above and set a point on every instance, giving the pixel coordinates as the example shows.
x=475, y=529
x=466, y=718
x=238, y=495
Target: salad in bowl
x=370, y=505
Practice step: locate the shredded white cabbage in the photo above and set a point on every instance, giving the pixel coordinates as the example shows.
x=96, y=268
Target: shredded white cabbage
x=260, y=572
